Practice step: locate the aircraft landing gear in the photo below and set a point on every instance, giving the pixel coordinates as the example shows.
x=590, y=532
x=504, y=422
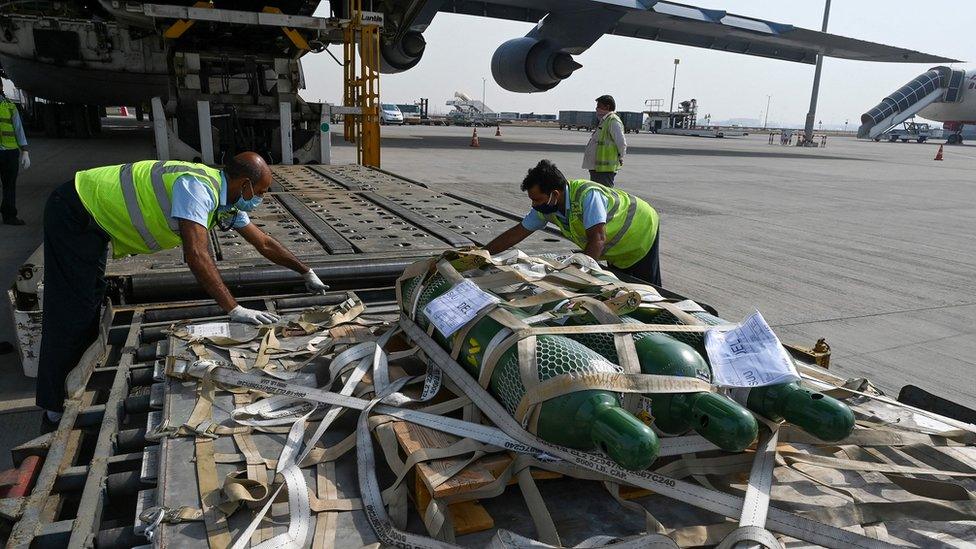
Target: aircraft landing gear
x=954, y=139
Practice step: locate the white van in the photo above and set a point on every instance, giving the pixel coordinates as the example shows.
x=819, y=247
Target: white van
x=390, y=114
x=411, y=113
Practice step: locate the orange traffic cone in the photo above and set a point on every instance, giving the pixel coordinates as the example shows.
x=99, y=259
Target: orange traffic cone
x=498, y=131
x=474, y=139
x=938, y=155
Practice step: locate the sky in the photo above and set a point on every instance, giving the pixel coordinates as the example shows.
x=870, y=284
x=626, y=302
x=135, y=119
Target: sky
x=727, y=86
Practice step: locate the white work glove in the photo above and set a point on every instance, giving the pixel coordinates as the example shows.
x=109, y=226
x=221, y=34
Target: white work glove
x=24, y=160
x=313, y=283
x=251, y=316
x=582, y=260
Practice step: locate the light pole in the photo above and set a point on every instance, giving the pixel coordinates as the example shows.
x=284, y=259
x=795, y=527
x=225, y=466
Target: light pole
x=846, y=120
x=808, y=129
x=766, y=119
x=673, y=82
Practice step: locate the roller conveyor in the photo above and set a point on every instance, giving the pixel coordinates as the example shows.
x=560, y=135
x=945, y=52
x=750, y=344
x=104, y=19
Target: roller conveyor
x=350, y=223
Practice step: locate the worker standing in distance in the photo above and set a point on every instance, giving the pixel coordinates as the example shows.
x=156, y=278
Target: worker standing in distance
x=606, y=223
x=13, y=157
x=142, y=208
x=604, y=154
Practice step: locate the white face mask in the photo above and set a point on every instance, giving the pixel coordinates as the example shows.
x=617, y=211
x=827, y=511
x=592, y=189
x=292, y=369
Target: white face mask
x=600, y=112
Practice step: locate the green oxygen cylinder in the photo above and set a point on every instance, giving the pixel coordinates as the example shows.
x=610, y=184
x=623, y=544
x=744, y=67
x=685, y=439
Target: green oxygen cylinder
x=820, y=415
x=583, y=420
x=715, y=417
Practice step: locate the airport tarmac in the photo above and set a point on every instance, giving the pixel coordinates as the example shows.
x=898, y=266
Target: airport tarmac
x=867, y=244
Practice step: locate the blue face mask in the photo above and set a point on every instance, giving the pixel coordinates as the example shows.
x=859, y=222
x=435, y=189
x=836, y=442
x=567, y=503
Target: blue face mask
x=547, y=208
x=248, y=205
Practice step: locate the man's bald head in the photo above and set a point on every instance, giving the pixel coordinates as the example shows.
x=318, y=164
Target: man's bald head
x=247, y=167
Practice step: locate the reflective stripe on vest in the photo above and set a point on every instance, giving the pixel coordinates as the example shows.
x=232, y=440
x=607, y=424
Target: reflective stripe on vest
x=628, y=221
x=630, y=234
x=607, y=155
x=159, y=187
x=132, y=206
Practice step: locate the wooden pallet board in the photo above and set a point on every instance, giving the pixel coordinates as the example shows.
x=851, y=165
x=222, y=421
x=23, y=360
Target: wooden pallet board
x=467, y=516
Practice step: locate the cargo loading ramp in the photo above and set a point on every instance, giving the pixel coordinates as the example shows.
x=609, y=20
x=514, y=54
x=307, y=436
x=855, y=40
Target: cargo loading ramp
x=938, y=84
x=350, y=223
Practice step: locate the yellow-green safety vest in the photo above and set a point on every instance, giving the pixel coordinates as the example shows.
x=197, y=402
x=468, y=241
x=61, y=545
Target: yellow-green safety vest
x=607, y=155
x=8, y=136
x=631, y=223
x=132, y=202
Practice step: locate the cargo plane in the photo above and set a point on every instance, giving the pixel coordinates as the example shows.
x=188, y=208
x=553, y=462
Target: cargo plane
x=105, y=52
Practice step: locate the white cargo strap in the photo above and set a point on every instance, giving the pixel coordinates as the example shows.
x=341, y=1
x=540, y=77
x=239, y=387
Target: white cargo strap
x=295, y=483
x=299, y=509
x=371, y=500
x=717, y=502
x=755, y=505
x=747, y=534
x=505, y=539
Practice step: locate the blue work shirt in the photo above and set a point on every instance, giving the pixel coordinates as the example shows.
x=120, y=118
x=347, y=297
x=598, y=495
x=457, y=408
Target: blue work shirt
x=18, y=129
x=192, y=201
x=594, y=212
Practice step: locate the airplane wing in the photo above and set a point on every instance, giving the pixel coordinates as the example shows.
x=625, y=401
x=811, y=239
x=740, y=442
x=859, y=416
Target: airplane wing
x=699, y=27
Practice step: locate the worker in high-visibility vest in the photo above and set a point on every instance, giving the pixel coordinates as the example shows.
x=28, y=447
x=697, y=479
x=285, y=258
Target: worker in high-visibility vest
x=604, y=153
x=13, y=157
x=605, y=223
x=141, y=208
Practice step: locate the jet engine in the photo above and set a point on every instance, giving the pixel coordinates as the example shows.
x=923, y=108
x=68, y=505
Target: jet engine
x=402, y=54
x=528, y=65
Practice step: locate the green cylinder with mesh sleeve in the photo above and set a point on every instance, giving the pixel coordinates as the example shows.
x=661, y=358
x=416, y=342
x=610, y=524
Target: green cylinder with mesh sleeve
x=718, y=419
x=583, y=420
x=820, y=415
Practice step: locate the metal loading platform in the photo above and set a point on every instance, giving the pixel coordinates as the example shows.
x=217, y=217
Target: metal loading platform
x=350, y=223
x=99, y=461
x=106, y=466
x=123, y=450
x=938, y=84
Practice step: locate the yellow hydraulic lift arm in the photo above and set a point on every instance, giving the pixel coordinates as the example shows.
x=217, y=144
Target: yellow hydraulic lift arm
x=361, y=82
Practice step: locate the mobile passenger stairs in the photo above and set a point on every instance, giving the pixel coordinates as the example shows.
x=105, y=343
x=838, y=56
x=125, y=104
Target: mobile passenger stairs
x=937, y=85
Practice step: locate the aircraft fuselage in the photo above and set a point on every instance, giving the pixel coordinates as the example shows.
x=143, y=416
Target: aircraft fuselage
x=962, y=111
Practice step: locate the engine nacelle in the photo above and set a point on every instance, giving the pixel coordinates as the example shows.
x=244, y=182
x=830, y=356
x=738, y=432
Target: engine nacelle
x=403, y=54
x=529, y=65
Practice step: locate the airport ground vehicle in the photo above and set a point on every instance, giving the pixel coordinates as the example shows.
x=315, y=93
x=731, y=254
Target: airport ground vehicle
x=910, y=131
x=411, y=113
x=586, y=120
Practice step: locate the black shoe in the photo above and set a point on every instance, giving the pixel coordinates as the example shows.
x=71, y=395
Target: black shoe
x=14, y=221
x=48, y=426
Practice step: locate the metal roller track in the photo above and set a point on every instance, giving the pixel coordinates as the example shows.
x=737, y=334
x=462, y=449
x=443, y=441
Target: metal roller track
x=98, y=464
x=353, y=223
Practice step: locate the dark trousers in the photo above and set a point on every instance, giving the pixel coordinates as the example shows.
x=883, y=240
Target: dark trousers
x=74, y=288
x=603, y=178
x=9, y=165
x=648, y=268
